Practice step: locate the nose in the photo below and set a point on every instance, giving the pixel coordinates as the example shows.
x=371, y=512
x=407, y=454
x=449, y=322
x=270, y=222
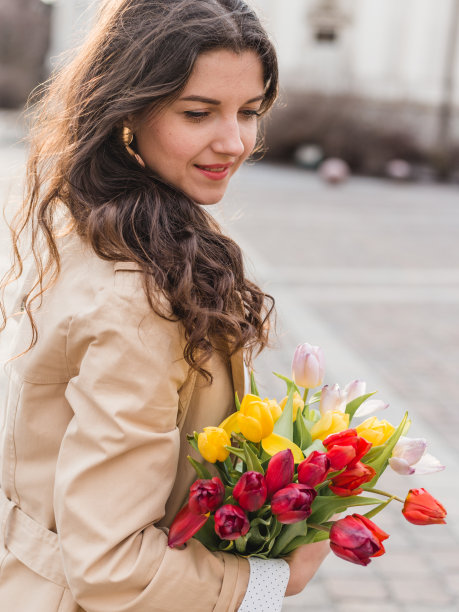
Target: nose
x=228, y=140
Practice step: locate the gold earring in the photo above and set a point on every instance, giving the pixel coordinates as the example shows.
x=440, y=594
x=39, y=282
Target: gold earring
x=127, y=136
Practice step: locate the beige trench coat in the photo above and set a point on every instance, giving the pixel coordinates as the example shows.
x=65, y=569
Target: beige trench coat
x=93, y=454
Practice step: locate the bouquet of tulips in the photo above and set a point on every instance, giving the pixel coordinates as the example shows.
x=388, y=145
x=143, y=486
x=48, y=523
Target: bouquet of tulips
x=285, y=470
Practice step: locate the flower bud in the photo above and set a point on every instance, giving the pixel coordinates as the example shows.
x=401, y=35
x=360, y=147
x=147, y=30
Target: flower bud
x=345, y=448
x=250, y=491
x=409, y=457
x=420, y=508
x=308, y=366
x=184, y=526
x=314, y=469
x=231, y=522
x=355, y=538
x=212, y=442
x=280, y=471
x=348, y=482
x=293, y=503
x=255, y=419
x=206, y=495
x=332, y=398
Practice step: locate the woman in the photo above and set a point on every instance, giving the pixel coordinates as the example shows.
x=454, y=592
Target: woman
x=135, y=315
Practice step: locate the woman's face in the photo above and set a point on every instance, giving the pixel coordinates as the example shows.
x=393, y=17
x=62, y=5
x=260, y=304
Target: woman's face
x=199, y=141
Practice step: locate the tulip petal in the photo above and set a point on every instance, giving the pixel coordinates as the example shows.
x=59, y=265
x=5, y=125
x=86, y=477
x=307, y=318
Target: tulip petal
x=410, y=449
x=428, y=464
x=231, y=424
x=401, y=466
x=370, y=406
x=275, y=443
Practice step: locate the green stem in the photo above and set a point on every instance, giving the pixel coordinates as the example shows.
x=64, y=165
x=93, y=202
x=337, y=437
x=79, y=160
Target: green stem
x=319, y=527
x=379, y=492
x=305, y=395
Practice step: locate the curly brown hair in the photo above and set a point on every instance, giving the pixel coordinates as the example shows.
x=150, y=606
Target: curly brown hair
x=139, y=56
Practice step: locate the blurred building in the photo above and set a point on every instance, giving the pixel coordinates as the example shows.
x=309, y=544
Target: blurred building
x=388, y=63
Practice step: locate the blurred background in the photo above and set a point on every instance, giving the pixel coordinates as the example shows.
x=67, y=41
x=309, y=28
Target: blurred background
x=351, y=221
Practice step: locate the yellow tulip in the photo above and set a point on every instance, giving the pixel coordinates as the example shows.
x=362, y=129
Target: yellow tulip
x=274, y=444
x=254, y=418
x=230, y=424
x=375, y=431
x=212, y=442
x=331, y=422
x=298, y=404
x=274, y=408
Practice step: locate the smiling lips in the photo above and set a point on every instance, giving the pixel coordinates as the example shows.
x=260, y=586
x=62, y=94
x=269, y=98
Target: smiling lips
x=215, y=172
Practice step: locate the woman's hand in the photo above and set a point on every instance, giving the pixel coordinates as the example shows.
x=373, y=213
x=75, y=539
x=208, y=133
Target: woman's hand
x=304, y=562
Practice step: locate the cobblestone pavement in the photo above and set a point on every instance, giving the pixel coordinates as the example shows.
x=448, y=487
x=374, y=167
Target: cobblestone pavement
x=369, y=271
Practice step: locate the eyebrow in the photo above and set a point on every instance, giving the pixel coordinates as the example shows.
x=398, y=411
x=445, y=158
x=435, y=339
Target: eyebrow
x=217, y=102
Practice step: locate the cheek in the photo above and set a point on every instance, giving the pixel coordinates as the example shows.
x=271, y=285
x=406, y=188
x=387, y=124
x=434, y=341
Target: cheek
x=250, y=139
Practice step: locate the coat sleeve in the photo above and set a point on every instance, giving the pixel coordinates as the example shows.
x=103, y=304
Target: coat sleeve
x=117, y=466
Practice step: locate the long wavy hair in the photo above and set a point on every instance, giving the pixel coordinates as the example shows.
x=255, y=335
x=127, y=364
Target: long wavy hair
x=81, y=178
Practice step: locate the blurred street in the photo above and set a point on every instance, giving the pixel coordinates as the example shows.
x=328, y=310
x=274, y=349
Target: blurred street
x=370, y=272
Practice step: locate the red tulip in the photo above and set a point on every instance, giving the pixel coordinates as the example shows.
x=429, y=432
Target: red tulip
x=345, y=448
x=420, y=508
x=314, y=469
x=250, y=491
x=184, y=526
x=280, y=471
x=293, y=503
x=349, y=481
x=206, y=495
x=355, y=538
x=231, y=522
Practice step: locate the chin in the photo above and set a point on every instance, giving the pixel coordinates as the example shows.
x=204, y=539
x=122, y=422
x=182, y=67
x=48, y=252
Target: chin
x=208, y=200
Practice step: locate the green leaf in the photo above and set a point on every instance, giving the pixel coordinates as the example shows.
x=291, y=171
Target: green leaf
x=324, y=507
x=288, y=533
x=301, y=434
x=314, y=446
x=253, y=385
x=251, y=459
x=284, y=424
x=241, y=544
x=379, y=459
x=371, y=513
x=201, y=470
x=207, y=536
x=193, y=440
x=289, y=382
x=351, y=407
x=237, y=402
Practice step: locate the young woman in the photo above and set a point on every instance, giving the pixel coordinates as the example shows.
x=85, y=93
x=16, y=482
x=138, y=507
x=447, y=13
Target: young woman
x=134, y=316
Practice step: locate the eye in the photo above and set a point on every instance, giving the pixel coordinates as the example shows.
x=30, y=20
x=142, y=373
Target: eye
x=250, y=114
x=196, y=116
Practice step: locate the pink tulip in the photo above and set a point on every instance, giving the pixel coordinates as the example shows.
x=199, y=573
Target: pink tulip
x=409, y=457
x=355, y=389
x=308, y=366
x=332, y=398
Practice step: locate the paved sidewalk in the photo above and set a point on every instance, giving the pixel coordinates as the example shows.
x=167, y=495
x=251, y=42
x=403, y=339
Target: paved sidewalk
x=369, y=271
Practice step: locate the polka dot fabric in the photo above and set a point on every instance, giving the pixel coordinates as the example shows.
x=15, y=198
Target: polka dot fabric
x=267, y=584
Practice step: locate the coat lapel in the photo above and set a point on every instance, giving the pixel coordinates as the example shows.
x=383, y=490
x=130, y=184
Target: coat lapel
x=237, y=373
